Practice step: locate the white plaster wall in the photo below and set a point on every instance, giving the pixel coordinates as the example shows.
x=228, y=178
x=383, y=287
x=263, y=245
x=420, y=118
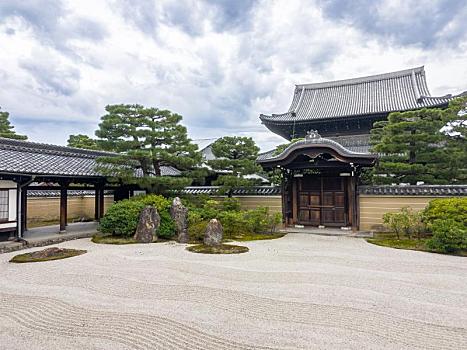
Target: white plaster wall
x=12, y=205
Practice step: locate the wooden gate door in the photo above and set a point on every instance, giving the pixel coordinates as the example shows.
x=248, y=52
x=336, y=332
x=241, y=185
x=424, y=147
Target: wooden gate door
x=309, y=201
x=321, y=201
x=333, y=199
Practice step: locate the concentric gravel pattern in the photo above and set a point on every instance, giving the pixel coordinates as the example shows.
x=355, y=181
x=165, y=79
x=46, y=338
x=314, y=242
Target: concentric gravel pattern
x=295, y=292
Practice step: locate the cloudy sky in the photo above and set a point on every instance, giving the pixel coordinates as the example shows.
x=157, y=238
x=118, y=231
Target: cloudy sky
x=218, y=63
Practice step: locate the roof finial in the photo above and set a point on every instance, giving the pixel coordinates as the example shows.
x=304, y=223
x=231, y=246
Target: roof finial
x=312, y=135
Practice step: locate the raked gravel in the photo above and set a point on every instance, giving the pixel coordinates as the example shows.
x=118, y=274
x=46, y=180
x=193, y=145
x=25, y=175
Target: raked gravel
x=298, y=292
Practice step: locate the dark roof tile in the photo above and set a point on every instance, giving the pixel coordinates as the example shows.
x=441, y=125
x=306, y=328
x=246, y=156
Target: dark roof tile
x=378, y=94
x=415, y=190
x=24, y=157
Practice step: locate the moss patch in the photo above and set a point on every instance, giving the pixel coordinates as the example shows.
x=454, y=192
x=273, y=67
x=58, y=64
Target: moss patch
x=390, y=240
x=221, y=249
x=118, y=240
x=61, y=254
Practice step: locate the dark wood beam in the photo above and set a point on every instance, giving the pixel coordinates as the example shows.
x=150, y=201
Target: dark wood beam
x=63, y=208
x=24, y=210
x=101, y=203
x=96, y=205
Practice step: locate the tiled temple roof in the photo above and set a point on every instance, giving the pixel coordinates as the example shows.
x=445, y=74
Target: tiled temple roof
x=70, y=193
x=320, y=142
x=416, y=190
x=399, y=190
x=214, y=190
x=378, y=94
x=30, y=158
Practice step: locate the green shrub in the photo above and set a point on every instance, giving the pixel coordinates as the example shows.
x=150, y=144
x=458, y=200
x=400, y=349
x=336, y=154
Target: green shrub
x=234, y=223
x=274, y=221
x=406, y=221
x=258, y=219
x=398, y=222
x=231, y=204
x=196, y=230
x=195, y=201
x=446, y=208
x=449, y=236
x=121, y=219
x=167, y=227
x=157, y=201
x=209, y=210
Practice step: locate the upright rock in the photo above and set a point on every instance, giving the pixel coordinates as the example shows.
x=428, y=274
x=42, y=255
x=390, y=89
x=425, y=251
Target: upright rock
x=179, y=214
x=148, y=224
x=214, y=233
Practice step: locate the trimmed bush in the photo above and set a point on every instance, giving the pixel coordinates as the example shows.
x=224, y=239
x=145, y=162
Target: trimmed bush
x=121, y=219
x=449, y=236
x=159, y=202
x=445, y=209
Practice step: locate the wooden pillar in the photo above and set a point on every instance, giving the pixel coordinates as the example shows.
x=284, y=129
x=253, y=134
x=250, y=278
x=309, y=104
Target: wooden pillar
x=353, y=202
x=294, y=200
x=63, y=208
x=284, y=200
x=101, y=203
x=24, y=210
x=96, y=204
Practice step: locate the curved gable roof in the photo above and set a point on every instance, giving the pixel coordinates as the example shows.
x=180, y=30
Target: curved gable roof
x=315, y=144
x=376, y=94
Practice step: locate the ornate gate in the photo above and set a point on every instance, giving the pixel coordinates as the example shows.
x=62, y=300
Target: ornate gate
x=322, y=201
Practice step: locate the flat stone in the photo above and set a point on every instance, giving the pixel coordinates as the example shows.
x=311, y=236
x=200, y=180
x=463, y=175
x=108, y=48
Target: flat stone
x=149, y=222
x=179, y=214
x=214, y=233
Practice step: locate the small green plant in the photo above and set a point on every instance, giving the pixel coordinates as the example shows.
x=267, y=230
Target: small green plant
x=274, y=221
x=449, y=236
x=398, y=222
x=406, y=221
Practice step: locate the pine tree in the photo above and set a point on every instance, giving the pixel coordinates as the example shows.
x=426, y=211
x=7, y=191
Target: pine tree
x=146, y=139
x=6, y=129
x=82, y=141
x=455, y=117
x=412, y=147
x=237, y=156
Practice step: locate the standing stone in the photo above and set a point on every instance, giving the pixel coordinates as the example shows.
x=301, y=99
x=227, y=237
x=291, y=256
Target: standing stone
x=179, y=214
x=149, y=222
x=214, y=232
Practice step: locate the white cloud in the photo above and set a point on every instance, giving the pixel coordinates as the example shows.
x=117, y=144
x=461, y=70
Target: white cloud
x=217, y=65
